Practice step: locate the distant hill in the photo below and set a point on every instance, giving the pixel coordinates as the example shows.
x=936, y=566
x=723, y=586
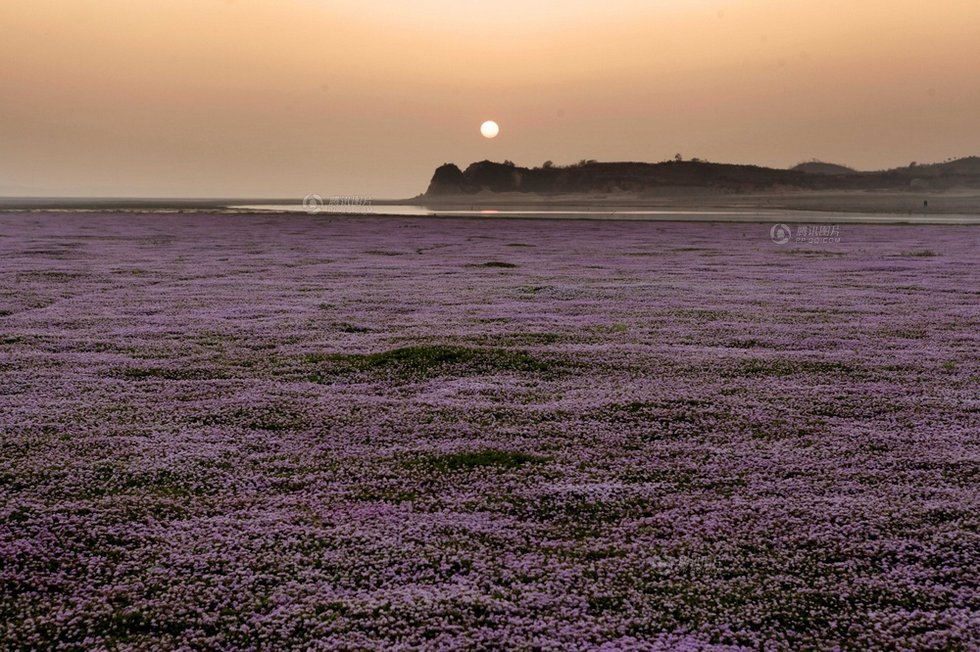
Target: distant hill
x=969, y=167
x=595, y=177
x=819, y=167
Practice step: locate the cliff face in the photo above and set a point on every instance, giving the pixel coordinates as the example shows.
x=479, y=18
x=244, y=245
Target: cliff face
x=447, y=180
x=594, y=177
x=485, y=175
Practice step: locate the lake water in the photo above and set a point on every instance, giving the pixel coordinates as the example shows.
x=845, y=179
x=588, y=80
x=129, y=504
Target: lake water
x=422, y=211
x=598, y=213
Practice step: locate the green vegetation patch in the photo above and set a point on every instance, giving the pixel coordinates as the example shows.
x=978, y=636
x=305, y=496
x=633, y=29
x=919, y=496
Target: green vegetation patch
x=271, y=418
x=416, y=361
x=54, y=276
x=779, y=367
x=471, y=460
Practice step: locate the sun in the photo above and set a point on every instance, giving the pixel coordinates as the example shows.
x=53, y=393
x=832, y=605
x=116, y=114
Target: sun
x=489, y=129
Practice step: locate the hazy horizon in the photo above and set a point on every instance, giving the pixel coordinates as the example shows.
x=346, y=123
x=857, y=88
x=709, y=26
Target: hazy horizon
x=253, y=98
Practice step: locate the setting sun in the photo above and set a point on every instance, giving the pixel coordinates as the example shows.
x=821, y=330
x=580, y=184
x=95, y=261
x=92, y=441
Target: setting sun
x=489, y=129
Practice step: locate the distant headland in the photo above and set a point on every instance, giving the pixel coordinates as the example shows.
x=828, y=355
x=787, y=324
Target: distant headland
x=679, y=176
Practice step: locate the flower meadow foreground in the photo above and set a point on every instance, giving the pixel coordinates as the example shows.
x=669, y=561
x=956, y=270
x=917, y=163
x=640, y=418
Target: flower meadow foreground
x=275, y=432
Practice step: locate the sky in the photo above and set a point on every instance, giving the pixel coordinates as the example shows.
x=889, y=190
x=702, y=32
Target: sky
x=281, y=98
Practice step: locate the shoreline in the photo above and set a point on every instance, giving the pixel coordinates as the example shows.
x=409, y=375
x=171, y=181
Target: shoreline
x=955, y=206
x=762, y=216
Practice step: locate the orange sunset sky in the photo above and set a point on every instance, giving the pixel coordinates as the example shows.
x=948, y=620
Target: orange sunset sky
x=279, y=98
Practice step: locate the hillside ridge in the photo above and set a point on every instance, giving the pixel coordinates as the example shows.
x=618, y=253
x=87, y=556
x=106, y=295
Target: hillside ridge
x=610, y=177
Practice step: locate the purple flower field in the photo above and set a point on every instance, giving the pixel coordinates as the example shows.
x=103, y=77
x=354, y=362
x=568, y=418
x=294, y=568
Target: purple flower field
x=271, y=432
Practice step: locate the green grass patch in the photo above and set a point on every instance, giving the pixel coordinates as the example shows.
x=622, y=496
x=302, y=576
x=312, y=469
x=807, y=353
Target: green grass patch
x=779, y=367
x=383, y=252
x=745, y=344
x=270, y=418
x=470, y=460
x=347, y=327
x=420, y=361
x=699, y=314
x=909, y=333
x=609, y=328
x=196, y=479
x=59, y=277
